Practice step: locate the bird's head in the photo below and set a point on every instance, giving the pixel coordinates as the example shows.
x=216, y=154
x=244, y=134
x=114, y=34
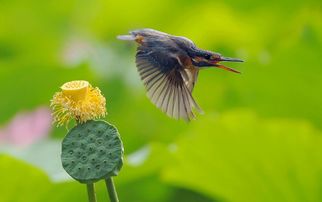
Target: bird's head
x=202, y=58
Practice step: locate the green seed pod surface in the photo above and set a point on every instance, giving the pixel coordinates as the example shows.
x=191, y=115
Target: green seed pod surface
x=92, y=151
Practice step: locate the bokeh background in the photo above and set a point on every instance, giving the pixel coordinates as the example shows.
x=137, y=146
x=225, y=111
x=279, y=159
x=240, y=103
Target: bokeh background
x=260, y=138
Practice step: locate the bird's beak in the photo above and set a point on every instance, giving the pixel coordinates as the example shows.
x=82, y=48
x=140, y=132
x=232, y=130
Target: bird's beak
x=230, y=59
x=215, y=63
x=227, y=68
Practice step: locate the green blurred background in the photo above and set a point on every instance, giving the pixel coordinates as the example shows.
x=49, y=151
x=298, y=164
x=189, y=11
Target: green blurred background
x=259, y=139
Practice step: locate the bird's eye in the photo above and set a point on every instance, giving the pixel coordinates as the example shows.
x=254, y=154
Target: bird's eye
x=207, y=57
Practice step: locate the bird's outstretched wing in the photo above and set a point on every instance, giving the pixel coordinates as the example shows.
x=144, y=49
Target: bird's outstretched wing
x=190, y=76
x=167, y=82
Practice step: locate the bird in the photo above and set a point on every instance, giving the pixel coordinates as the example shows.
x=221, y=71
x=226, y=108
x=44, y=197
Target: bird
x=169, y=66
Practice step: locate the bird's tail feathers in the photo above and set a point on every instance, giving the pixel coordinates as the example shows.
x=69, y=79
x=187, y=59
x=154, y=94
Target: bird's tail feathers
x=126, y=37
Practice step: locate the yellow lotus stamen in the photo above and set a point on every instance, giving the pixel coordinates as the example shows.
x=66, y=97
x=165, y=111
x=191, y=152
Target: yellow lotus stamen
x=78, y=100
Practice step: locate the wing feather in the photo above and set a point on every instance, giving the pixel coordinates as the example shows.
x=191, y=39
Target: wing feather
x=190, y=77
x=168, y=86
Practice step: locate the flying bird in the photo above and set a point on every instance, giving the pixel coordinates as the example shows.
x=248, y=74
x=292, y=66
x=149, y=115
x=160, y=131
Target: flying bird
x=169, y=66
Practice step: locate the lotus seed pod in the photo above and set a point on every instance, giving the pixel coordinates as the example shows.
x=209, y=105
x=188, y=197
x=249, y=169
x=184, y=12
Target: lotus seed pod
x=92, y=151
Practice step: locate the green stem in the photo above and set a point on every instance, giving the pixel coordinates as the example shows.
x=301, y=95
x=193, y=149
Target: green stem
x=111, y=190
x=91, y=192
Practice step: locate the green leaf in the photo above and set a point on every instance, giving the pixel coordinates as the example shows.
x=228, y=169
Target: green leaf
x=17, y=179
x=239, y=157
x=23, y=182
